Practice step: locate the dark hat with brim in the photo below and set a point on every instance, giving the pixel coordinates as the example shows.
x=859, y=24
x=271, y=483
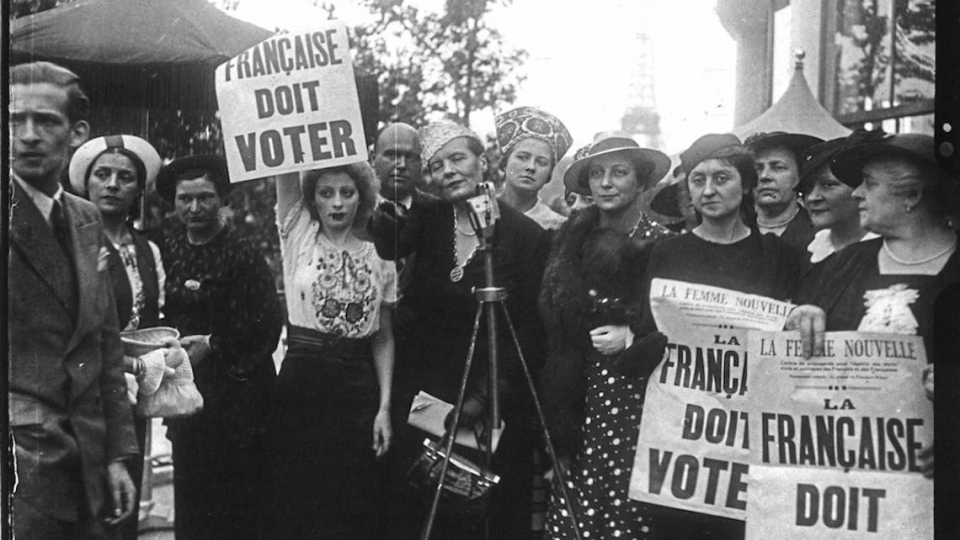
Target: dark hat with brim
x=705, y=147
x=575, y=179
x=797, y=143
x=847, y=165
x=817, y=156
x=215, y=167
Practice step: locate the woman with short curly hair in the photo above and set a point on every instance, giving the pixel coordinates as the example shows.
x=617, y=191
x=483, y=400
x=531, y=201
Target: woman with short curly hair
x=331, y=415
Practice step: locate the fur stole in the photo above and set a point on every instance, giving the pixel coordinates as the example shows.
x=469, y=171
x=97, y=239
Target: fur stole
x=594, y=277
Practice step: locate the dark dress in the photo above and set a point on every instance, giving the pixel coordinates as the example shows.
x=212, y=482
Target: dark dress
x=148, y=315
x=223, y=288
x=800, y=230
x=846, y=282
x=435, y=320
x=759, y=264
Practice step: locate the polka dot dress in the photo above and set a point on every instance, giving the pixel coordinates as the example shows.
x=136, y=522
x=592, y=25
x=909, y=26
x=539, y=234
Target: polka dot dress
x=600, y=476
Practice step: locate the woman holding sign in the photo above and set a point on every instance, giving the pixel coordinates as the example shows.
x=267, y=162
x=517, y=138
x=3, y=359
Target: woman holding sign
x=722, y=251
x=435, y=321
x=331, y=416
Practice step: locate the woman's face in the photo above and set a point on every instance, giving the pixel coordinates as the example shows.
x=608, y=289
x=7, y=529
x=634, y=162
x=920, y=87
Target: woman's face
x=337, y=199
x=613, y=182
x=113, y=185
x=830, y=202
x=882, y=207
x=198, y=204
x=529, y=165
x=716, y=189
x=456, y=170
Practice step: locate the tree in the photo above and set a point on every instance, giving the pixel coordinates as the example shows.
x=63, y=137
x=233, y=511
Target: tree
x=452, y=63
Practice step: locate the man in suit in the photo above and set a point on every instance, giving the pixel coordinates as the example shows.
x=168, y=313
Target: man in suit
x=397, y=163
x=70, y=419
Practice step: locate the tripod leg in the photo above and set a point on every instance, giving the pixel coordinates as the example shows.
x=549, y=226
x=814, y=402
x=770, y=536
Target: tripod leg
x=543, y=424
x=449, y=436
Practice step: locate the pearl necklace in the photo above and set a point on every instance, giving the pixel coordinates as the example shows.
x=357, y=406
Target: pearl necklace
x=456, y=274
x=933, y=257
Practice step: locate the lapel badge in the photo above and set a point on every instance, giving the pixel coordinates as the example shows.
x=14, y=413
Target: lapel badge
x=192, y=284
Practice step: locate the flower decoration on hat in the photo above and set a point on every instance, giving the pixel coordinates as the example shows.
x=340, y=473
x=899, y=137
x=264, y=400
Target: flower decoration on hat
x=435, y=135
x=524, y=122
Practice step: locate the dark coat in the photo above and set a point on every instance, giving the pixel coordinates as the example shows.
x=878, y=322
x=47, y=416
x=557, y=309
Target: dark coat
x=584, y=258
x=69, y=413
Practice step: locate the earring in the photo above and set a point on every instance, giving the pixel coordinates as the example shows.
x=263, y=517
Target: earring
x=908, y=208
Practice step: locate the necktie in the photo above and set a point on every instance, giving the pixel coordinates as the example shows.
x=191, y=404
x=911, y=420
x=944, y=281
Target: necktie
x=60, y=230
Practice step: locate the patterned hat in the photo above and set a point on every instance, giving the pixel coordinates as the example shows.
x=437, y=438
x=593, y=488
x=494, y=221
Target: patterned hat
x=84, y=157
x=517, y=124
x=435, y=135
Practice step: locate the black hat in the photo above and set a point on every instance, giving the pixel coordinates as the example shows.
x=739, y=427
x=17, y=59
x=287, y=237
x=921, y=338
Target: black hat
x=847, y=165
x=215, y=166
x=817, y=156
x=665, y=201
x=704, y=147
x=797, y=143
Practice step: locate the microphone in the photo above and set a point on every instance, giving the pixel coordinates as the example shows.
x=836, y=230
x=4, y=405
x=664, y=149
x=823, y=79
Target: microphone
x=483, y=210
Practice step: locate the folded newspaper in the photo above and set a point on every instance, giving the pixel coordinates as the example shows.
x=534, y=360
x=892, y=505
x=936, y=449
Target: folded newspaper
x=428, y=413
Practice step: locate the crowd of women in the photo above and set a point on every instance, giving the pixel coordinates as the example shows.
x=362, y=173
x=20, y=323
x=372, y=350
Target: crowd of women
x=323, y=449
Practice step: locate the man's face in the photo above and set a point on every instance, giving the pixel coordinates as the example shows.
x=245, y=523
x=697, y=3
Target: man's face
x=778, y=176
x=397, y=162
x=41, y=134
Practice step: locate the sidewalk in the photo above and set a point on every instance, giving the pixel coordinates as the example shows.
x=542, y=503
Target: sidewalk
x=156, y=512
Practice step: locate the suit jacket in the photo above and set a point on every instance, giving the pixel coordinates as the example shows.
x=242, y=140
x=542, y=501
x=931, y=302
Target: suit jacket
x=69, y=414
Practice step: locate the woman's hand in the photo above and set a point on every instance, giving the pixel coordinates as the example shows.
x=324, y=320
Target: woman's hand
x=926, y=460
x=811, y=321
x=611, y=339
x=173, y=354
x=382, y=432
x=197, y=347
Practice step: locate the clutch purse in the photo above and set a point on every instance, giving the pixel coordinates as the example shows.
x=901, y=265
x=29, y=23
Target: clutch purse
x=177, y=396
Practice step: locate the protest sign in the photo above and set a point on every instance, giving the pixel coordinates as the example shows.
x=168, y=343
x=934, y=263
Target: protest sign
x=836, y=438
x=290, y=104
x=694, y=452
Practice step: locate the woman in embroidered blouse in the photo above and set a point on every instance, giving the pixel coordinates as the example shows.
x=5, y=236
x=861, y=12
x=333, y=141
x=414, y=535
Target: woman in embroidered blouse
x=435, y=321
x=331, y=417
x=113, y=172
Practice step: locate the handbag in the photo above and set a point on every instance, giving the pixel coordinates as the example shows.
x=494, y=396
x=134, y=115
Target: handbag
x=177, y=396
x=466, y=486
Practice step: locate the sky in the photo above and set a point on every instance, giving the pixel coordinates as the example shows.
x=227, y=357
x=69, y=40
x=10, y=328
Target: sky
x=582, y=55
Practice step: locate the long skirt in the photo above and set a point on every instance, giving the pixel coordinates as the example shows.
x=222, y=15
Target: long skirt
x=323, y=473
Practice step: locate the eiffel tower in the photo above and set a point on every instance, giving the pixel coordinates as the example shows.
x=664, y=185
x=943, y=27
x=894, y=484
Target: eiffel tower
x=640, y=117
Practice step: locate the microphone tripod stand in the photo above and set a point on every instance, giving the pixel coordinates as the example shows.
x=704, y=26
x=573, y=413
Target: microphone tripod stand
x=483, y=214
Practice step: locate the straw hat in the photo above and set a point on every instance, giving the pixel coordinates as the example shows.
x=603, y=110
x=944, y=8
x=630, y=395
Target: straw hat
x=615, y=142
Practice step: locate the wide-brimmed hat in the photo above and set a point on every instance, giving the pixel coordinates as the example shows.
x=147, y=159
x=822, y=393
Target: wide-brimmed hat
x=817, y=156
x=215, y=166
x=847, y=165
x=797, y=143
x=530, y=122
x=87, y=154
x=704, y=147
x=614, y=142
x=435, y=135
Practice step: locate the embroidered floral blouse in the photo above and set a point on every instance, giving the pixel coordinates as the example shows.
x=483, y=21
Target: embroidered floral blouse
x=331, y=289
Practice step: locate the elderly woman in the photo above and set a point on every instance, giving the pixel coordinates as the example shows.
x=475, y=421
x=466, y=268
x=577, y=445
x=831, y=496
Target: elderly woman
x=435, y=320
x=531, y=143
x=722, y=251
x=221, y=296
x=829, y=202
x=889, y=284
x=589, y=299
x=332, y=394
x=113, y=172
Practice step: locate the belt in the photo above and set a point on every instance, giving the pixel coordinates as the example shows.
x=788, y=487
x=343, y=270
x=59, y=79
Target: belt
x=331, y=343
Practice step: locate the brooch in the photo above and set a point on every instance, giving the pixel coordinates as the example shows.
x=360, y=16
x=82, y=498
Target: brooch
x=192, y=284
